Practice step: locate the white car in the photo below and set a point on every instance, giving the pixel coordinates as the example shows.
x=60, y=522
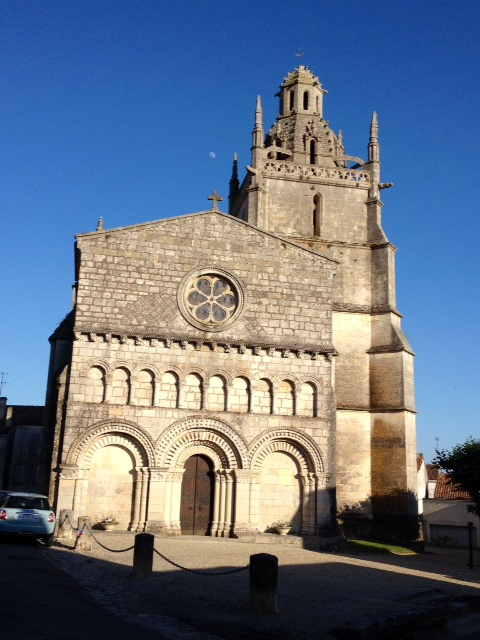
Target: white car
x=28, y=515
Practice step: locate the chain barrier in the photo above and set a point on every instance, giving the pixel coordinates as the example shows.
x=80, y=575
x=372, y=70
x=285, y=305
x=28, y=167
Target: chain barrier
x=85, y=526
x=175, y=564
x=199, y=571
x=67, y=519
x=107, y=548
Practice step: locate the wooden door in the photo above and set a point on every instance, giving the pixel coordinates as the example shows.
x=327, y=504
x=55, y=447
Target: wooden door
x=197, y=496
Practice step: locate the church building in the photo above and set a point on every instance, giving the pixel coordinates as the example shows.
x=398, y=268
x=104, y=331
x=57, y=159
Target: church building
x=220, y=372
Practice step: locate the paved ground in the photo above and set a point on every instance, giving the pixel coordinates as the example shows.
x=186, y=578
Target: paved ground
x=318, y=592
x=41, y=602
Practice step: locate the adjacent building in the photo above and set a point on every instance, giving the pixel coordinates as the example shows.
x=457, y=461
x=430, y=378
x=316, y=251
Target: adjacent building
x=21, y=430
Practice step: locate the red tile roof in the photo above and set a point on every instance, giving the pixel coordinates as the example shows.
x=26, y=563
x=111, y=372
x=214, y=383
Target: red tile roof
x=447, y=491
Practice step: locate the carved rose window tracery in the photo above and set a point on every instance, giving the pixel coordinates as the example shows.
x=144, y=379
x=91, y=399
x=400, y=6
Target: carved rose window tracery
x=211, y=299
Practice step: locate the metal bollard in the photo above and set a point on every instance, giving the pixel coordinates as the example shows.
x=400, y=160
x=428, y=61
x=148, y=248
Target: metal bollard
x=263, y=583
x=143, y=555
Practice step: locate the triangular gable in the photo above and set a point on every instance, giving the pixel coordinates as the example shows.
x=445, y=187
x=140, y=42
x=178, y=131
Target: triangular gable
x=192, y=216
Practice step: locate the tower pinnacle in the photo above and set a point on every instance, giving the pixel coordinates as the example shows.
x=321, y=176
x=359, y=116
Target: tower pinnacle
x=258, y=134
x=373, y=145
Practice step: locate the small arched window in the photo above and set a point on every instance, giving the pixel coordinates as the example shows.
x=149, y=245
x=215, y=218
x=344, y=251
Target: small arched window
x=317, y=214
x=306, y=97
x=217, y=394
x=95, y=391
x=240, y=395
x=193, y=390
x=313, y=152
x=306, y=400
x=121, y=386
x=169, y=390
x=285, y=398
x=292, y=99
x=145, y=387
x=264, y=396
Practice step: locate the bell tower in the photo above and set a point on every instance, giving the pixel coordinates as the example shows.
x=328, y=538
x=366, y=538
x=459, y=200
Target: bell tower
x=302, y=185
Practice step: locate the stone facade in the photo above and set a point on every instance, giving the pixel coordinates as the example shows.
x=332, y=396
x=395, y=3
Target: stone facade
x=258, y=355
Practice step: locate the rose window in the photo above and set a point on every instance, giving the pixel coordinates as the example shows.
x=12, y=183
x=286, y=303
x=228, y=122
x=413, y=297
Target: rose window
x=211, y=299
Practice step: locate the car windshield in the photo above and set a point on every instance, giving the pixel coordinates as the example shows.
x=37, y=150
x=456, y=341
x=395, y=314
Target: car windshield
x=27, y=502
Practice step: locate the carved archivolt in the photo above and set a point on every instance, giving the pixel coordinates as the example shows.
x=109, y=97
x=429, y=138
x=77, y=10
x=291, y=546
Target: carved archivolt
x=114, y=439
x=220, y=439
x=113, y=432
x=294, y=443
x=206, y=448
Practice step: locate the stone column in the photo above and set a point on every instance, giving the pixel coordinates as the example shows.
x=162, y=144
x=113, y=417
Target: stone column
x=108, y=388
x=245, y=521
x=137, y=491
x=81, y=492
x=68, y=492
x=167, y=505
x=181, y=391
x=309, y=503
x=227, y=523
x=216, y=503
x=143, y=502
x=221, y=504
x=228, y=393
x=156, y=499
x=156, y=393
x=274, y=399
x=140, y=499
x=204, y=395
x=175, y=501
x=253, y=398
x=131, y=391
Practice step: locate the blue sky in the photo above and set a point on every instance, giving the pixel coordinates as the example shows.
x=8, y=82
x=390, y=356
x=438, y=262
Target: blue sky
x=115, y=108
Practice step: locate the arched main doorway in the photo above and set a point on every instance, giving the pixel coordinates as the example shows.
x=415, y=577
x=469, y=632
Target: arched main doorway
x=196, y=508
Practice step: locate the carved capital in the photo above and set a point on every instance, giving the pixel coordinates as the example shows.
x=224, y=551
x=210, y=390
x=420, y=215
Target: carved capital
x=70, y=472
x=157, y=475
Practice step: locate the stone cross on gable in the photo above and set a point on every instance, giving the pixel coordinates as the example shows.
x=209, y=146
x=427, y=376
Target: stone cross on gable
x=216, y=199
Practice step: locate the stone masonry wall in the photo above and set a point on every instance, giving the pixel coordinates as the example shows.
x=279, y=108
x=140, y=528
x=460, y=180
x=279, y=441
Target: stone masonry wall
x=130, y=279
x=289, y=206
x=207, y=365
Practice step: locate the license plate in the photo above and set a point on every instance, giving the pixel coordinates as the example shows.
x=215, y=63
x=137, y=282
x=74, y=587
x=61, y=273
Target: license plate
x=28, y=516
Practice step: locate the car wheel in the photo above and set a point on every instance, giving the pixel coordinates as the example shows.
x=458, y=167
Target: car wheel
x=48, y=540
